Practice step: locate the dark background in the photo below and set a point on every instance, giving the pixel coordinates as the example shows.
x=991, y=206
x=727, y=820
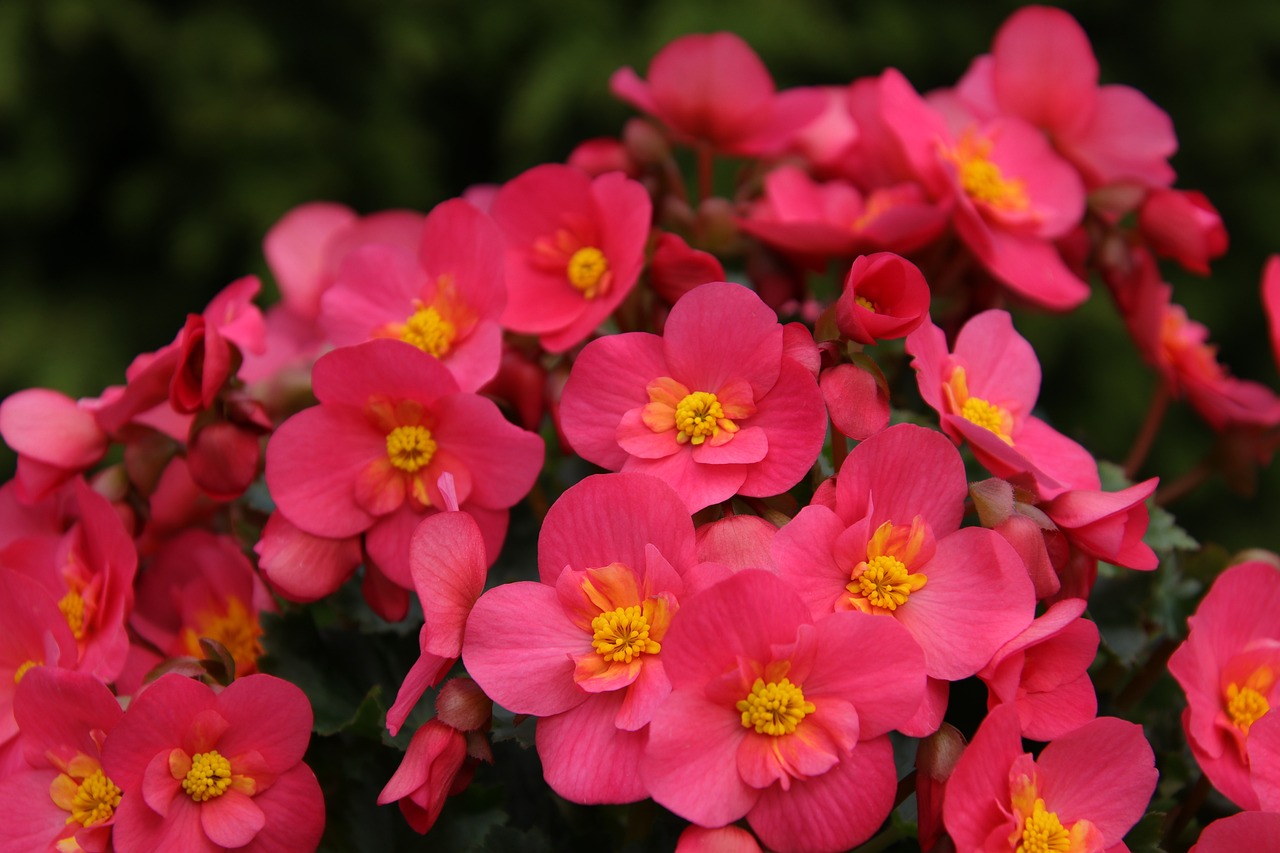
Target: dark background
x=146, y=147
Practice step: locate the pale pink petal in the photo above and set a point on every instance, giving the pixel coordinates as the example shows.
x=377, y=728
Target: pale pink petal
x=690, y=765
x=295, y=252
x=977, y=597
x=525, y=664
x=231, y=820
x=719, y=332
x=835, y=811
x=1106, y=748
x=608, y=379
x=613, y=518
x=587, y=759
x=1044, y=69
x=52, y=428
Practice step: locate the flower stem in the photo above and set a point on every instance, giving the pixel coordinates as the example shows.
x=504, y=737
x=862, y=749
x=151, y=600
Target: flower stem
x=705, y=183
x=1184, y=812
x=1188, y=482
x=1147, y=434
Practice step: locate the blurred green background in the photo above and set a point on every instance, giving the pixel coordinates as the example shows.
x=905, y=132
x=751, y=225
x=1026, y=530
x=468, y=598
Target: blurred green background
x=146, y=147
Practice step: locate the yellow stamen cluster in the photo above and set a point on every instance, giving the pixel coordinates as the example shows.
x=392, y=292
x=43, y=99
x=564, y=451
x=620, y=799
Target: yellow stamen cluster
x=1245, y=705
x=237, y=630
x=95, y=800
x=410, y=448
x=429, y=332
x=775, y=708
x=697, y=416
x=978, y=411
x=1043, y=832
x=209, y=776
x=22, y=670
x=72, y=608
x=884, y=583
x=865, y=303
x=623, y=634
x=586, y=269
x=983, y=181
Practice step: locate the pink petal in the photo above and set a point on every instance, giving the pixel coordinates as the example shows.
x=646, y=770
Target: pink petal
x=520, y=648
x=725, y=839
x=464, y=246
x=904, y=471
x=720, y=332
x=587, y=759
x=976, y=804
x=51, y=428
x=1256, y=831
x=637, y=438
x=231, y=820
x=803, y=551
x=295, y=252
x=835, y=811
x=748, y=445
x=295, y=813
x=1264, y=760
x=859, y=407
x=738, y=541
x=502, y=458
x=644, y=696
x=388, y=368
x=280, y=736
x=608, y=379
x=1052, y=714
x=699, y=486
x=426, y=671
x=1129, y=139
x=447, y=560
x=303, y=567
x=60, y=707
x=1044, y=69
x=376, y=285
x=138, y=828
x=793, y=416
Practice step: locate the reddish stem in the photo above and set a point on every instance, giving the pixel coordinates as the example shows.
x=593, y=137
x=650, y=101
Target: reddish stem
x=1150, y=429
x=1183, y=485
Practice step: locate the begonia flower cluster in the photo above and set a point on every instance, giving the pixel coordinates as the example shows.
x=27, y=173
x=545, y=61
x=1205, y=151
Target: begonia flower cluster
x=586, y=434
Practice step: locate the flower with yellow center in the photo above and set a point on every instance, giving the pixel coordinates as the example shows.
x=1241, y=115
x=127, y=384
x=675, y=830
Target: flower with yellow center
x=429, y=331
x=883, y=582
x=410, y=448
x=976, y=410
x=1043, y=832
x=1246, y=702
x=982, y=180
x=207, y=776
x=697, y=417
x=588, y=271
x=622, y=634
x=775, y=708
x=86, y=793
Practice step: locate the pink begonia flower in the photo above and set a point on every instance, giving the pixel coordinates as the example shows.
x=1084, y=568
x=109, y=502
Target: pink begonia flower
x=1043, y=672
x=35, y=634
x=444, y=299
x=203, y=771
x=1264, y=760
x=55, y=437
x=984, y=392
x=60, y=799
x=1042, y=69
x=1257, y=832
x=1011, y=194
x=442, y=756
x=713, y=89
x=391, y=421
x=1183, y=225
x=1107, y=525
x=1228, y=667
x=583, y=649
x=885, y=297
x=767, y=719
x=816, y=221
x=1083, y=792
x=201, y=585
x=448, y=561
x=892, y=546
x=575, y=247
x=714, y=407
x=1178, y=347
x=724, y=839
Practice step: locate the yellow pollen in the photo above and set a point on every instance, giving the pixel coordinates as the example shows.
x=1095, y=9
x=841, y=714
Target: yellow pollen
x=884, y=583
x=410, y=448
x=775, y=708
x=983, y=181
x=72, y=607
x=696, y=417
x=209, y=776
x=586, y=268
x=95, y=800
x=865, y=303
x=22, y=670
x=622, y=634
x=1245, y=705
x=978, y=411
x=1043, y=832
x=237, y=630
x=429, y=332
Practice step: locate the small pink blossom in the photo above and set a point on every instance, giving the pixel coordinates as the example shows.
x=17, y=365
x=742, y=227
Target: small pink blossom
x=715, y=407
x=1183, y=225
x=884, y=298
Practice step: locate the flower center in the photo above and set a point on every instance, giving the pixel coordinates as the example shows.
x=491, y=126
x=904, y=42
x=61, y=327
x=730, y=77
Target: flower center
x=95, y=800
x=1043, y=832
x=72, y=607
x=883, y=583
x=697, y=417
x=209, y=776
x=865, y=303
x=775, y=708
x=1245, y=705
x=622, y=634
x=22, y=670
x=586, y=268
x=237, y=630
x=982, y=180
x=978, y=411
x=429, y=332
x=410, y=448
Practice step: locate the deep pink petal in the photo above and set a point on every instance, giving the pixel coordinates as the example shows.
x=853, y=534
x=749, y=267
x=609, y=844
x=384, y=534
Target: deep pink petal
x=644, y=695
x=59, y=708
x=902, y=472
x=690, y=765
x=281, y=735
x=138, y=829
x=1107, y=748
x=835, y=811
x=793, y=416
x=231, y=820
x=859, y=408
x=462, y=249
x=1069, y=706
x=52, y=428
x=447, y=560
x=295, y=812
x=303, y=567
x=1264, y=760
x=803, y=551
x=976, y=805
x=520, y=648
x=977, y=597
x=1044, y=69
x=699, y=486
x=587, y=759
x=32, y=821
x=1255, y=831
x=387, y=368
x=426, y=671
x=502, y=459
x=719, y=332
x=608, y=379
x=637, y=438
x=748, y=445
